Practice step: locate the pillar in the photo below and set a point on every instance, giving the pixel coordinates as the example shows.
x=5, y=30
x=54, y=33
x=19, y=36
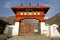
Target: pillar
x=42, y=26
x=16, y=27
x=42, y=23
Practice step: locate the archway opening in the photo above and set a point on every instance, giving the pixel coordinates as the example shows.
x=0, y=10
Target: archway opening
x=29, y=27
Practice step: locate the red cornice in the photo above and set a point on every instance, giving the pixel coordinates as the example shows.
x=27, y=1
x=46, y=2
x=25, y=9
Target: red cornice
x=33, y=8
x=30, y=7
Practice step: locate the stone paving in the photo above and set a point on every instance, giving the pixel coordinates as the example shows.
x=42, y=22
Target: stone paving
x=5, y=37
x=55, y=38
x=29, y=38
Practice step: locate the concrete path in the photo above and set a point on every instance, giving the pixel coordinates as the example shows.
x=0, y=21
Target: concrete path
x=29, y=38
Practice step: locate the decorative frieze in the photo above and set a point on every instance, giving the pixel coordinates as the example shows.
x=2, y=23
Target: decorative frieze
x=29, y=13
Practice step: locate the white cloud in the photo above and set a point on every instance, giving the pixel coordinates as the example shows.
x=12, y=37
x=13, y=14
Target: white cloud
x=15, y=2
x=46, y=17
x=10, y=4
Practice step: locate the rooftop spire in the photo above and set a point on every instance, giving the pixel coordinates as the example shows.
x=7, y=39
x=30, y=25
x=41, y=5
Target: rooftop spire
x=37, y=4
x=21, y=4
x=29, y=4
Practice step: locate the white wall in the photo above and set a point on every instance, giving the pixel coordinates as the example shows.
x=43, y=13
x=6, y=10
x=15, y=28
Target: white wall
x=10, y=30
x=54, y=31
x=6, y=30
x=13, y=29
x=35, y=30
x=16, y=29
x=43, y=29
x=48, y=29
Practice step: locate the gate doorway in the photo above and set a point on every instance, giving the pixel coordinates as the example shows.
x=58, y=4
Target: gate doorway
x=29, y=27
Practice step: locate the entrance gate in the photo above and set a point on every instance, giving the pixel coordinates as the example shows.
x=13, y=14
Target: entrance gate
x=36, y=12
x=29, y=27
x=26, y=29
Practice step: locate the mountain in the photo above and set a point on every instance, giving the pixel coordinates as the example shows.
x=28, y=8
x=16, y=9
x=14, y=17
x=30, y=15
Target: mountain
x=10, y=19
x=54, y=20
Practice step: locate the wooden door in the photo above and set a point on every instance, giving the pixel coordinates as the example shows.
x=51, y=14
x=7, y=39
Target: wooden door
x=26, y=29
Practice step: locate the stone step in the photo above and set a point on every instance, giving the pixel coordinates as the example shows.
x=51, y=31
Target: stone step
x=29, y=38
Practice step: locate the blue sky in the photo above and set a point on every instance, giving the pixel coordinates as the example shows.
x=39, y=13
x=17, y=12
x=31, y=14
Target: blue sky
x=5, y=6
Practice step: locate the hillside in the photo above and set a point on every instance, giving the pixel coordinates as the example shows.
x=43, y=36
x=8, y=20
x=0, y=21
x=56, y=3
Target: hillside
x=54, y=20
x=10, y=19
